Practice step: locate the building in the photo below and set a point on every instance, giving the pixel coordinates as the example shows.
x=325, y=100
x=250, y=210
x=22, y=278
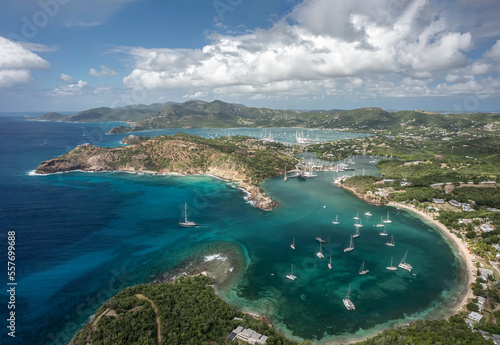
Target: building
x=486, y=228
x=438, y=201
x=247, y=335
x=455, y=203
x=467, y=208
x=475, y=316
x=485, y=273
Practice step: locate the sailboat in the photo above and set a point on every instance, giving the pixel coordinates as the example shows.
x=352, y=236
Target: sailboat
x=362, y=269
x=290, y=275
x=187, y=223
x=356, y=234
x=387, y=220
x=330, y=263
x=347, y=300
x=336, y=221
x=383, y=233
x=391, y=244
x=358, y=224
x=351, y=246
x=293, y=244
x=381, y=224
x=368, y=214
x=357, y=216
x=405, y=265
x=392, y=267
x=320, y=238
x=320, y=253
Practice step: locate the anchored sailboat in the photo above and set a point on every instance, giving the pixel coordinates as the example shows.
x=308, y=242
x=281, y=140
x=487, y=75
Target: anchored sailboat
x=351, y=246
x=392, y=267
x=320, y=238
x=391, y=244
x=187, y=223
x=368, y=214
x=405, y=265
x=320, y=253
x=387, y=220
x=381, y=224
x=336, y=221
x=356, y=234
x=290, y=275
x=358, y=224
x=357, y=216
x=383, y=233
x=347, y=300
x=362, y=269
x=293, y=244
x=330, y=263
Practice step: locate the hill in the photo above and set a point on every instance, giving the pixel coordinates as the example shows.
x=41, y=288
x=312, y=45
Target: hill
x=245, y=160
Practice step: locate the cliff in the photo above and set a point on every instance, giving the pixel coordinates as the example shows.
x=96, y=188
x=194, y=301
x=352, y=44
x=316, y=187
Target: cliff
x=244, y=160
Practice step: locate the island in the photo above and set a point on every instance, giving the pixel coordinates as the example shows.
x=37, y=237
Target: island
x=244, y=160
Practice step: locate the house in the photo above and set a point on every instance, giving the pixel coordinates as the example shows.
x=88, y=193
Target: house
x=247, y=335
x=388, y=180
x=455, y=203
x=405, y=183
x=467, y=208
x=487, y=228
x=492, y=209
x=485, y=273
x=475, y=316
x=438, y=201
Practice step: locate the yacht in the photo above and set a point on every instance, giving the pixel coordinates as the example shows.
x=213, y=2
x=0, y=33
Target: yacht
x=368, y=214
x=330, y=263
x=351, y=246
x=391, y=244
x=381, y=224
x=392, y=267
x=387, y=220
x=356, y=234
x=383, y=233
x=362, y=269
x=347, y=300
x=293, y=244
x=336, y=221
x=320, y=253
x=405, y=265
x=187, y=223
x=290, y=275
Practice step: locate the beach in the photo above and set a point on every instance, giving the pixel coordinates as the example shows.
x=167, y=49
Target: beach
x=463, y=251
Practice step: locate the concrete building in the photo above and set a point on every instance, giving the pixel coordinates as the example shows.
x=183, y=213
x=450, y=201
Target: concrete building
x=247, y=335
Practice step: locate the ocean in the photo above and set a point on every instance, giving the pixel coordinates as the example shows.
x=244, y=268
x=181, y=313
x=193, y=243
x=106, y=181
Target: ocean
x=83, y=237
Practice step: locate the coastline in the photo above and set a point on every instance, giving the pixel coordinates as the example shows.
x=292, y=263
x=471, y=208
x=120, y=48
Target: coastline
x=462, y=251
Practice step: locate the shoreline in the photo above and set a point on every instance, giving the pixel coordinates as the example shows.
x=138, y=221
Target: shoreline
x=462, y=251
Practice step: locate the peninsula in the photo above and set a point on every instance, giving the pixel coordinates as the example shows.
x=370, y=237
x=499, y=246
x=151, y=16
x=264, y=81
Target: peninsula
x=244, y=160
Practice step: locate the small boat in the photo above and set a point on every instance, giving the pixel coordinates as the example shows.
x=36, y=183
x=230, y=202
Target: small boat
x=336, y=221
x=391, y=244
x=347, y=300
x=387, y=220
x=187, y=223
x=405, y=265
x=320, y=253
x=357, y=216
x=320, y=238
x=356, y=234
x=330, y=263
x=362, y=269
x=358, y=224
x=381, y=224
x=290, y=275
x=293, y=244
x=351, y=246
x=368, y=214
x=391, y=267
x=383, y=233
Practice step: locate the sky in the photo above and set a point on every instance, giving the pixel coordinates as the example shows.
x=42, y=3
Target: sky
x=72, y=55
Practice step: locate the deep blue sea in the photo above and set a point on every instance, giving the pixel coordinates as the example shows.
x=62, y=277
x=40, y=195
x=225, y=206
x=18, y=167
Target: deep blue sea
x=83, y=237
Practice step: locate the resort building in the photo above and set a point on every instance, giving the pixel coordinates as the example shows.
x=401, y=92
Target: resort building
x=438, y=201
x=475, y=316
x=486, y=228
x=485, y=273
x=247, y=335
x=455, y=203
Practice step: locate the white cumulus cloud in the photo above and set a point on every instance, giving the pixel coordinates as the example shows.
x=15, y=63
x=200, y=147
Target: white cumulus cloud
x=102, y=72
x=66, y=78
x=16, y=62
x=74, y=89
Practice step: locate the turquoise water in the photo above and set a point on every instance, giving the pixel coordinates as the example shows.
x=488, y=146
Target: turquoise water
x=82, y=237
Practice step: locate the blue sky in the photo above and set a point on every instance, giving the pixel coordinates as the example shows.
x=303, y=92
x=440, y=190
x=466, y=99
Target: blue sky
x=71, y=55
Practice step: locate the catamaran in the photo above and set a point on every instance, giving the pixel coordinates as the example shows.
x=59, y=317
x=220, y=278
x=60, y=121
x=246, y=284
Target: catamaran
x=381, y=224
x=383, y=233
x=405, y=265
x=387, y=220
x=290, y=275
x=330, y=263
x=347, y=300
x=392, y=267
x=320, y=253
x=351, y=246
x=293, y=244
x=356, y=234
x=336, y=221
x=391, y=244
x=187, y=223
x=362, y=269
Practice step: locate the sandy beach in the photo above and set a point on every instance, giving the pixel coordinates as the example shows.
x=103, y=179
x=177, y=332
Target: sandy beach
x=460, y=245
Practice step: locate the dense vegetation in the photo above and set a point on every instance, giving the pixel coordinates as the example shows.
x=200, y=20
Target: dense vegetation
x=452, y=332
x=189, y=313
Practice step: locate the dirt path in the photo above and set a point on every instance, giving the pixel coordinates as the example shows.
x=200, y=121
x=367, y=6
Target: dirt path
x=158, y=329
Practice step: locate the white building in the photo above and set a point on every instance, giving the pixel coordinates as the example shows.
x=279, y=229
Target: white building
x=475, y=316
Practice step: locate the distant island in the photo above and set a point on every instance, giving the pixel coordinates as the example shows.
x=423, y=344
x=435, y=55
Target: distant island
x=244, y=160
x=219, y=114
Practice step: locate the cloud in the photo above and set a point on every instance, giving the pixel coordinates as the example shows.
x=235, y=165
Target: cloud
x=38, y=48
x=103, y=72
x=66, y=78
x=75, y=89
x=322, y=46
x=16, y=62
